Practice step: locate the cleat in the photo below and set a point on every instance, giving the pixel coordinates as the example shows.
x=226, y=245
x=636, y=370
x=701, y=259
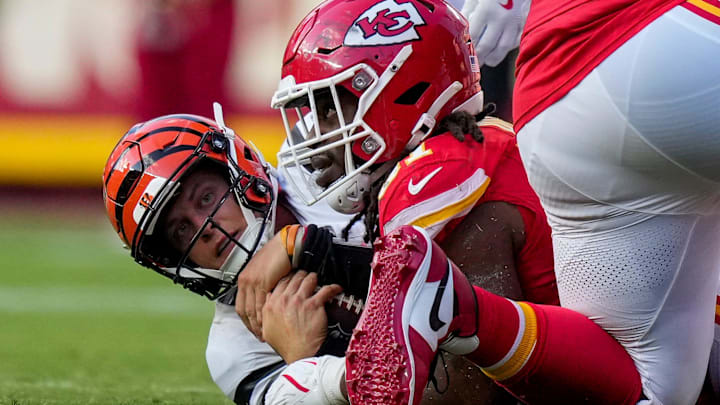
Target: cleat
x=417, y=300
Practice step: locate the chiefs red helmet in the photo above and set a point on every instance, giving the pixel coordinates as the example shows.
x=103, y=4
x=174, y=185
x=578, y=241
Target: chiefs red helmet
x=144, y=172
x=407, y=63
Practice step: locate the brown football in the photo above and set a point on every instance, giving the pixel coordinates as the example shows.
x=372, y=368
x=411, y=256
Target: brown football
x=343, y=313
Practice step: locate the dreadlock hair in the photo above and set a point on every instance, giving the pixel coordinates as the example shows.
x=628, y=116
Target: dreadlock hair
x=458, y=124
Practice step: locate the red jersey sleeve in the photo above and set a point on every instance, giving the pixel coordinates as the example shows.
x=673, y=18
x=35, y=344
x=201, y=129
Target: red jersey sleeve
x=442, y=179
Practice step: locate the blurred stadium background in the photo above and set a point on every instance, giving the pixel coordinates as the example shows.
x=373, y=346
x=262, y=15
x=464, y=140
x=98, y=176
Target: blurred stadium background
x=79, y=321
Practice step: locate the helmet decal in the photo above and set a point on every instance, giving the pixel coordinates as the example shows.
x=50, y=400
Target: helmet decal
x=385, y=23
x=147, y=197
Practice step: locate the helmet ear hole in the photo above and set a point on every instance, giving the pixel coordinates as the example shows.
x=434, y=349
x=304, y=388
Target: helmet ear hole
x=428, y=5
x=413, y=94
x=248, y=155
x=127, y=186
x=328, y=51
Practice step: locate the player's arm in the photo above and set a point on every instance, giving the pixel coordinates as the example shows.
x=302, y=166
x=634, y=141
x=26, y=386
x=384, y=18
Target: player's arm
x=251, y=372
x=294, y=317
x=267, y=266
x=240, y=365
x=496, y=231
x=314, y=380
x=296, y=247
x=295, y=325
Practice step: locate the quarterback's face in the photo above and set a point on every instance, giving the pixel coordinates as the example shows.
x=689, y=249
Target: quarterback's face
x=330, y=165
x=199, y=195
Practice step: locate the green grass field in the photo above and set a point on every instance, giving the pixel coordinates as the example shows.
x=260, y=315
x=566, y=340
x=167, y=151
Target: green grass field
x=81, y=323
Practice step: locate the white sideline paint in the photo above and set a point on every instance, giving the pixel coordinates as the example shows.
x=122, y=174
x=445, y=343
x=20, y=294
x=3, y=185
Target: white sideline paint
x=151, y=301
x=74, y=386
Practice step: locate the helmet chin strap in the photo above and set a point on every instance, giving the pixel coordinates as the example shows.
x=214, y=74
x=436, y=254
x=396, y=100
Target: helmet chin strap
x=230, y=267
x=351, y=199
x=197, y=272
x=426, y=122
x=232, y=263
x=238, y=255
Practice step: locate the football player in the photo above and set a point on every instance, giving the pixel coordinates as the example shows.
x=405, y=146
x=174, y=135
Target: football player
x=387, y=95
x=616, y=111
x=193, y=201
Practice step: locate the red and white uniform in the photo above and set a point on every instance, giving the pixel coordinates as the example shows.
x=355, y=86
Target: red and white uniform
x=435, y=187
x=616, y=105
x=443, y=179
x=563, y=41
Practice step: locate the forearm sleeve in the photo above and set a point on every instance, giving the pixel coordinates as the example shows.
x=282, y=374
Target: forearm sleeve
x=315, y=380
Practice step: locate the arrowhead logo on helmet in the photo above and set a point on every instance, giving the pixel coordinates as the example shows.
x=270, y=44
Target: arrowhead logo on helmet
x=385, y=23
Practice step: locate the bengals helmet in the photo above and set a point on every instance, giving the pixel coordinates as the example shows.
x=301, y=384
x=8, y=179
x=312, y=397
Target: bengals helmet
x=143, y=174
x=408, y=63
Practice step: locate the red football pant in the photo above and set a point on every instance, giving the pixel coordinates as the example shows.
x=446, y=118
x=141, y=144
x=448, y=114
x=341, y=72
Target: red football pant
x=549, y=354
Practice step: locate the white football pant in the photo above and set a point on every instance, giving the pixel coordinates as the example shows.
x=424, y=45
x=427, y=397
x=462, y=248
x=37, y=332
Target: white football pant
x=627, y=166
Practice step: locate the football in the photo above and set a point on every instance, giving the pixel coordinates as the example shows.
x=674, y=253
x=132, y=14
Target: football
x=343, y=313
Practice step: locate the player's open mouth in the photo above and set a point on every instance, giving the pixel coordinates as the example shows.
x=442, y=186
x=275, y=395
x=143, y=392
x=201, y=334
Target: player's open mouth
x=326, y=169
x=325, y=177
x=225, y=242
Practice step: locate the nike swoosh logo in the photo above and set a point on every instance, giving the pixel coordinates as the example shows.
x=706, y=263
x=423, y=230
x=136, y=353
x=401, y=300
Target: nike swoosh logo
x=508, y=5
x=415, y=188
x=435, y=322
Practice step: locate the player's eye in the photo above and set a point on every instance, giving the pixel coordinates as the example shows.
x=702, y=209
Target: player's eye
x=207, y=198
x=181, y=230
x=182, y=234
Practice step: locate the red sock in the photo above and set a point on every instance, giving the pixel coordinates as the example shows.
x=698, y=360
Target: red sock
x=548, y=354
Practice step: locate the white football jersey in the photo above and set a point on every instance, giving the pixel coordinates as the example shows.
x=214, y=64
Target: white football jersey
x=233, y=352
x=320, y=213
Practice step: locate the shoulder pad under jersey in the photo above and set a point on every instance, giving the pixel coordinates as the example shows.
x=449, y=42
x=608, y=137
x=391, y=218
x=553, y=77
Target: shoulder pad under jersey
x=442, y=179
